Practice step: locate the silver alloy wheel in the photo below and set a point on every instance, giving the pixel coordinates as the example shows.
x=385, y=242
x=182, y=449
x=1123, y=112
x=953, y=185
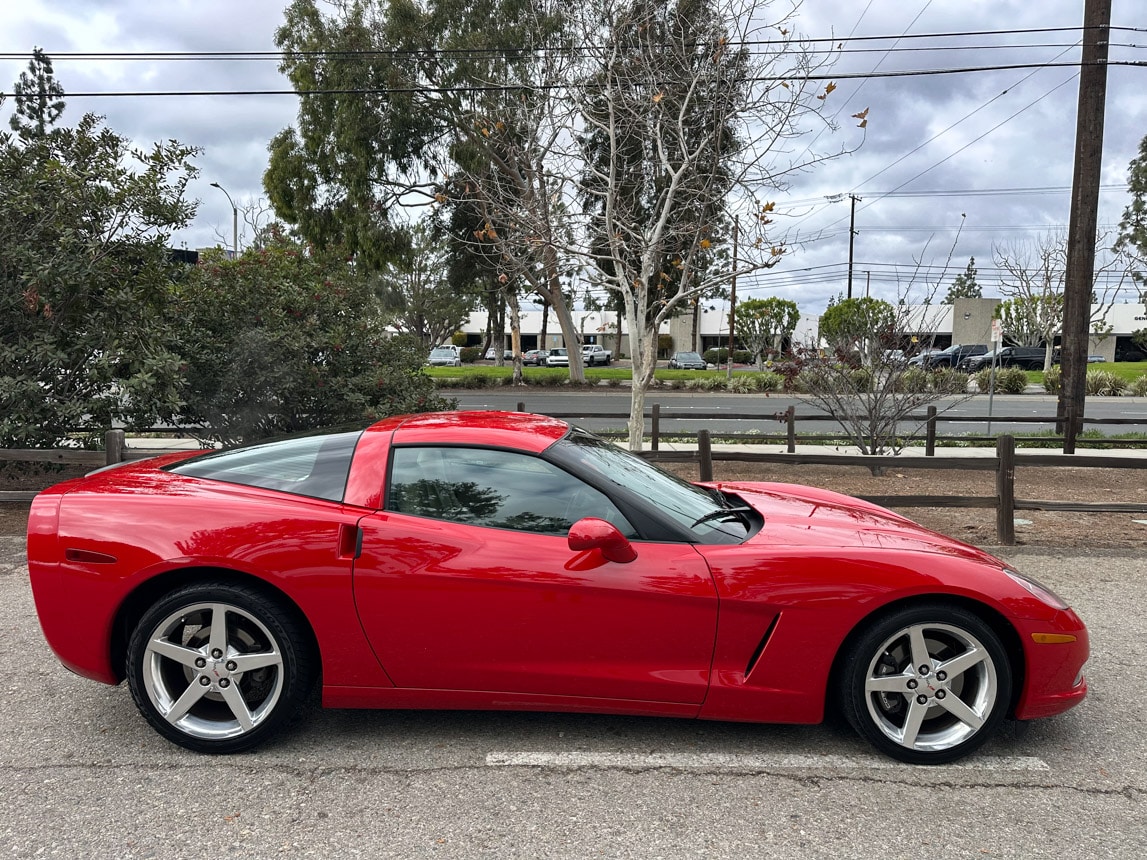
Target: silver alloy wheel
x=213, y=670
x=930, y=687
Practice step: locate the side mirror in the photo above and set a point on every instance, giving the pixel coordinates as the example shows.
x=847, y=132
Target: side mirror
x=593, y=533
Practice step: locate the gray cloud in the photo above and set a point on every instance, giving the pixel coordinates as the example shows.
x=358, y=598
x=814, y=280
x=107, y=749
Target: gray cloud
x=1032, y=150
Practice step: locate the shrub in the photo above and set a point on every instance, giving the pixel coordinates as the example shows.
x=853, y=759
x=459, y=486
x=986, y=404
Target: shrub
x=1103, y=383
x=1009, y=380
x=1139, y=386
x=949, y=381
x=914, y=380
x=1052, y=380
x=469, y=354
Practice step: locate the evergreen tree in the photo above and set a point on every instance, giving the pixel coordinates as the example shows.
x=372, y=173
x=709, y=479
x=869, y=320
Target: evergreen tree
x=964, y=286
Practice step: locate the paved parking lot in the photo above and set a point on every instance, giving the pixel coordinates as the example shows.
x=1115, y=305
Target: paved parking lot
x=85, y=777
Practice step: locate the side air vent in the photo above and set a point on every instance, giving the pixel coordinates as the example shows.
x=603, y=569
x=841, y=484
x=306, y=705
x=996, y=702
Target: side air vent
x=760, y=649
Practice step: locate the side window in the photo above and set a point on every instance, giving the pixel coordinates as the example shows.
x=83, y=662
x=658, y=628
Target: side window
x=496, y=489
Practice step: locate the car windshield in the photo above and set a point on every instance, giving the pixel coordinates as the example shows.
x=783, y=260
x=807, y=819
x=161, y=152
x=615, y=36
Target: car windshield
x=558, y=351
x=704, y=513
x=442, y=352
x=688, y=356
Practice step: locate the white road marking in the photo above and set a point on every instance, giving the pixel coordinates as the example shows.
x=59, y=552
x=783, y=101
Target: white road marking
x=743, y=762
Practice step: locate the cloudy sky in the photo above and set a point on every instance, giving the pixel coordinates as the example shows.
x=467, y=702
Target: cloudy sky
x=988, y=151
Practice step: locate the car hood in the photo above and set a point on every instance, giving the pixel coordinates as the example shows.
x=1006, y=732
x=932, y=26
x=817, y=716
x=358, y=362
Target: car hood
x=797, y=515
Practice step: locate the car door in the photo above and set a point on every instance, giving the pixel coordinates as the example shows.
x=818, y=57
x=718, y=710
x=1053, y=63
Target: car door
x=467, y=582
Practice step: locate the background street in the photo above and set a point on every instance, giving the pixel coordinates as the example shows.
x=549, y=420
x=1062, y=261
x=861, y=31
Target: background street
x=85, y=776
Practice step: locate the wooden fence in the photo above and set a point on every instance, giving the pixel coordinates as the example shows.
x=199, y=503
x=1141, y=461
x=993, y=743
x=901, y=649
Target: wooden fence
x=1004, y=464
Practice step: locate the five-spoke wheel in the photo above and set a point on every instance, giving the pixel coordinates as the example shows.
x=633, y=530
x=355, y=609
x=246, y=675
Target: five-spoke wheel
x=927, y=684
x=217, y=667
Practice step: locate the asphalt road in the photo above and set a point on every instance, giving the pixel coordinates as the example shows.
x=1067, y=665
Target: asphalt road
x=84, y=776
x=617, y=400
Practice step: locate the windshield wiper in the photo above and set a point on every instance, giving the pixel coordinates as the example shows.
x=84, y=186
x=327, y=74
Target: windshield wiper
x=741, y=512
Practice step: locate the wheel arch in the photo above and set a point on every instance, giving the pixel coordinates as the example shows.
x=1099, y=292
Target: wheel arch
x=1009, y=638
x=148, y=592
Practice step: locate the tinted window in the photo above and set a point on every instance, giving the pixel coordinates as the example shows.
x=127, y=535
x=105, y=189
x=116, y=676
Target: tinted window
x=314, y=466
x=678, y=499
x=497, y=489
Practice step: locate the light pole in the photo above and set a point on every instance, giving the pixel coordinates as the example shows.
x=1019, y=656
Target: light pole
x=234, y=221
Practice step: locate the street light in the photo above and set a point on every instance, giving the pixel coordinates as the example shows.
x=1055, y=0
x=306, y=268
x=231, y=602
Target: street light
x=234, y=221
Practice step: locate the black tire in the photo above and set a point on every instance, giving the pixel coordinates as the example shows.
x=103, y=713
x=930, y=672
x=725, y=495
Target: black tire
x=926, y=684
x=219, y=689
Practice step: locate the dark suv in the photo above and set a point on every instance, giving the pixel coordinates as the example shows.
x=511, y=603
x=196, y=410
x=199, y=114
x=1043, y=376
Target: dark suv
x=952, y=356
x=1027, y=357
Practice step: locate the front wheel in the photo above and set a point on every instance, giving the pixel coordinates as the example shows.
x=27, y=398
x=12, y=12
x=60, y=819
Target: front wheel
x=927, y=684
x=217, y=667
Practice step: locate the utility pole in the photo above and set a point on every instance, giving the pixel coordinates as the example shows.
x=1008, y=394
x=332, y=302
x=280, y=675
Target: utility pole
x=851, y=238
x=1083, y=223
x=733, y=295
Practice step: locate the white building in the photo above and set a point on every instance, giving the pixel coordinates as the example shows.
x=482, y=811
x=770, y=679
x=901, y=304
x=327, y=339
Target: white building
x=965, y=321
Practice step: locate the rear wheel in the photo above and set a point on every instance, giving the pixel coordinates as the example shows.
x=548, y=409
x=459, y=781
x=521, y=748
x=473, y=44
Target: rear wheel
x=927, y=684
x=217, y=667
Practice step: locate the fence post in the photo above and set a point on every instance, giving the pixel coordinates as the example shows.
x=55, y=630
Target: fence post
x=521, y=406
x=705, y=455
x=1006, y=490
x=930, y=440
x=114, y=443
x=791, y=418
x=655, y=426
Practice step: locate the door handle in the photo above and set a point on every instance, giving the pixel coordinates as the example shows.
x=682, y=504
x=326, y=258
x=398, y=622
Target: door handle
x=350, y=541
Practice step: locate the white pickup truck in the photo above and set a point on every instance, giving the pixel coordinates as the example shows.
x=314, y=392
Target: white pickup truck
x=595, y=353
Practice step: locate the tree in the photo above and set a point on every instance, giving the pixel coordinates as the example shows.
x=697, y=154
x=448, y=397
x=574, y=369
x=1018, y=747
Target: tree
x=1033, y=280
x=858, y=327
x=1132, y=236
x=964, y=286
x=39, y=98
x=684, y=122
x=418, y=295
x=283, y=340
x=763, y=325
x=86, y=336
x=475, y=116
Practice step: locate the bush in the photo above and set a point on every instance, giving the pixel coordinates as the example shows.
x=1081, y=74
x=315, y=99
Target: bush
x=914, y=380
x=1139, y=386
x=1009, y=380
x=469, y=354
x=1052, y=380
x=1103, y=383
x=949, y=381
x=459, y=339
x=720, y=356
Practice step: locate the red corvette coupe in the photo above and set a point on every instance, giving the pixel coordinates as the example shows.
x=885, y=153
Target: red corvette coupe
x=512, y=561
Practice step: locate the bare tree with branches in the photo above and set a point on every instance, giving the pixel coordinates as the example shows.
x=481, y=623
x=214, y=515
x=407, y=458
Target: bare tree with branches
x=1033, y=282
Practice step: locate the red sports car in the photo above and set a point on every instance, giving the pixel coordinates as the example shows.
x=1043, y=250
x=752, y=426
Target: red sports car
x=513, y=561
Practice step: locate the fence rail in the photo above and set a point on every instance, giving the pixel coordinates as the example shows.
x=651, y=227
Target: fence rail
x=1003, y=464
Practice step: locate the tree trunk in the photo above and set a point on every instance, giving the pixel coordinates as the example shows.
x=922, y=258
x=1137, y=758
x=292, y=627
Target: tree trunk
x=515, y=334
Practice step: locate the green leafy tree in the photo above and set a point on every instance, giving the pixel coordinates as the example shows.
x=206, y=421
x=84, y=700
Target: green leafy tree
x=858, y=327
x=39, y=98
x=86, y=337
x=417, y=293
x=763, y=325
x=282, y=340
x=1132, y=236
x=964, y=286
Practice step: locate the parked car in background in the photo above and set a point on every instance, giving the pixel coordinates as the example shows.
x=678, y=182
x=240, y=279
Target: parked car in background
x=536, y=357
x=948, y=358
x=595, y=353
x=1027, y=357
x=445, y=356
x=492, y=353
x=558, y=357
x=686, y=361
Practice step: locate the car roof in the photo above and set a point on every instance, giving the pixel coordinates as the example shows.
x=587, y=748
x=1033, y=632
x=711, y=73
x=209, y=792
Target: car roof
x=520, y=430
